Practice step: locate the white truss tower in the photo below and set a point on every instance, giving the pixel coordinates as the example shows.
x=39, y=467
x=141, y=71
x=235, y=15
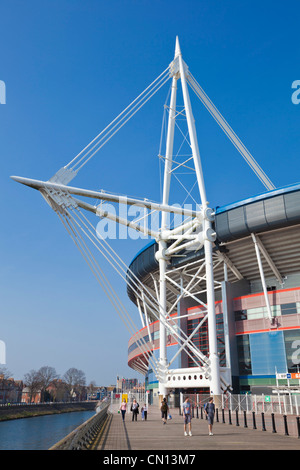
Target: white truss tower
x=193, y=234
x=178, y=72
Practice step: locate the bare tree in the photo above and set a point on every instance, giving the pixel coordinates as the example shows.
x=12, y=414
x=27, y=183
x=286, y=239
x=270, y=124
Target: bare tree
x=75, y=381
x=32, y=381
x=5, y=372
x=46, y=376
x=61, y=391
x=91, y=388
x=5, y=383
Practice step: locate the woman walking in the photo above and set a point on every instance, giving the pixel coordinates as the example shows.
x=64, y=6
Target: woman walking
x=123, y=408
x=164, y=410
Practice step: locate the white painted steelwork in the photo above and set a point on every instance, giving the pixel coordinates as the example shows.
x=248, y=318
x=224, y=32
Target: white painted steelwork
x=195, y=233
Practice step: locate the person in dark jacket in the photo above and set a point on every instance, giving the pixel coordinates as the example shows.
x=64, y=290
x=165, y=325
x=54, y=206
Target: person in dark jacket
x=210, y=413
x=164, y=411
x=135, y=410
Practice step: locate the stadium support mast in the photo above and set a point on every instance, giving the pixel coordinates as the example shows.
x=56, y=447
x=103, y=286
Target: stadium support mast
x=179, y=70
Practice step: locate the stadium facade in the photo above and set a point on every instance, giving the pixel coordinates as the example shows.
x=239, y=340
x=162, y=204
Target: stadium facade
x=257, y=298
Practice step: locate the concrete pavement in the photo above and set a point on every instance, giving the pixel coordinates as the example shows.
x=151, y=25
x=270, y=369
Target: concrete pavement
x=154, y=435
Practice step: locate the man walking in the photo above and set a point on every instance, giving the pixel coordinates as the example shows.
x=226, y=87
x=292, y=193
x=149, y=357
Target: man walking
x=187, y=415
x=135, y=410
x=210, y=413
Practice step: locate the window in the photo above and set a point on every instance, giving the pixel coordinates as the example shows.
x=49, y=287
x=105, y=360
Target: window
x=256, y=313
x=240, y=315
x=292, y=349
x=244, y=356
x=288, y=309
x=200, y=339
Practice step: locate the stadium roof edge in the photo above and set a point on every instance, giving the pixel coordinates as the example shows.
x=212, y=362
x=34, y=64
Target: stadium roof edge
x=265, y=195
x=227, y=207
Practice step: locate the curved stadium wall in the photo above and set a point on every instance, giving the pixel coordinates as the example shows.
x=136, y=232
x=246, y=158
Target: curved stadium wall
x=258, y=348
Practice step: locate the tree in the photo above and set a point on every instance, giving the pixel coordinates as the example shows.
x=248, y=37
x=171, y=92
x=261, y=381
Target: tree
x=5, y=383
x=5, y=373
x=91, y=388
x=75, y=381
x=61, y=391
x=46, y=376
x=32, y=381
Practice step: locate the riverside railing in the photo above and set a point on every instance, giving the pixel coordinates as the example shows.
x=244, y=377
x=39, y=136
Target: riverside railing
x=83, y=436
x=268, y=404
x=267, y=413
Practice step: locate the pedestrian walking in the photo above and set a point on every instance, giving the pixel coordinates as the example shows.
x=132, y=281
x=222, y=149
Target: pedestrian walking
x=123, y=408
x=135, y=410
x=187, y=416
x=209, y=409
x=144, y=411
x=164, y=410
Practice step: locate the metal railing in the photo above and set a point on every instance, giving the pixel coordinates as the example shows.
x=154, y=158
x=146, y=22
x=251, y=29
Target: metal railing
x=83, y=436
x=44, y=403
x=268, y=404
x=268, y=413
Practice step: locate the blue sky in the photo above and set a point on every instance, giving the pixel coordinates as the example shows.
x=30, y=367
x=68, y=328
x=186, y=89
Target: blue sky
x=70, y=67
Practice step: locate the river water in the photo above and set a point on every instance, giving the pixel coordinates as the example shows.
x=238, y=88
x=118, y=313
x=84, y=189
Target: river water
x=40, y=432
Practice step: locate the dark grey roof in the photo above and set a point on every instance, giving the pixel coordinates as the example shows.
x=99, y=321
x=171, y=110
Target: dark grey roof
x=274, y=216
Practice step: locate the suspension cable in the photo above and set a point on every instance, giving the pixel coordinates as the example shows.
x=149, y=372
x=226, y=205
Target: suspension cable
x=229, y=132
x=153, y=305
x=67, y=221
x=104, y=136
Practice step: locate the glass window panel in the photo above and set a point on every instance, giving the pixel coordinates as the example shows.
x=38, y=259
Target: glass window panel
x=240, y=315
x=292, y=349
x=276, y=310
x=288, y=309
x=244, y=356
x=256, y=313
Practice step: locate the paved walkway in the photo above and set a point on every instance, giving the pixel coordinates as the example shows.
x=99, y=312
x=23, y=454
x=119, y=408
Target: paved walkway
x=153, y=435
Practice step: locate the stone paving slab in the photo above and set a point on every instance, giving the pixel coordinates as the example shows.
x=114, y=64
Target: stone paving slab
x=154, y=435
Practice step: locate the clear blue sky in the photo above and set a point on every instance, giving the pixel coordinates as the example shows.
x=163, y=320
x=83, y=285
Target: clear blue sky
x=69, y=68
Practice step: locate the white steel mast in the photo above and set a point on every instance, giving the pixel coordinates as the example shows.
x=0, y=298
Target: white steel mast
x=210, y=291
x=179, y=70
x=161, y=254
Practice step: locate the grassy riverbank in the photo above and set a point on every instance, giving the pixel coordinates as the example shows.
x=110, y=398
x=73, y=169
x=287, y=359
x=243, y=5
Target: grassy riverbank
x=29, y=411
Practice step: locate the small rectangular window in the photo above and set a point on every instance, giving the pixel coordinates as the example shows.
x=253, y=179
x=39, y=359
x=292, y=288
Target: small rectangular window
x=288, y=309
x=240, y=315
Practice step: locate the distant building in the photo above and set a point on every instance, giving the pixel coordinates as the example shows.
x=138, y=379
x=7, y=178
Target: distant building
x=30, y=397
x=98, y=393
x=111, y=388
x=10, y=390
x=126, y=384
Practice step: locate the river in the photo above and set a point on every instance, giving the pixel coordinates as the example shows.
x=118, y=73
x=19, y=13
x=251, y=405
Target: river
x=40, y=432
